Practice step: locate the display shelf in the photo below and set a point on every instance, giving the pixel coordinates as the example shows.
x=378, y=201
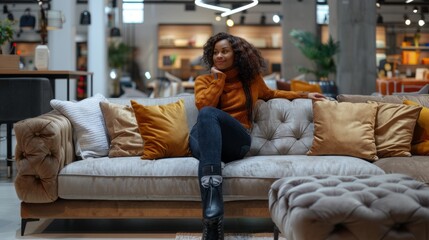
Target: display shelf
x=180, y=46
x=267, y=38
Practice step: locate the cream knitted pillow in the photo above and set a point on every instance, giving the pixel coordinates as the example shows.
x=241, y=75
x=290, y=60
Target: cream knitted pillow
x=89, y=131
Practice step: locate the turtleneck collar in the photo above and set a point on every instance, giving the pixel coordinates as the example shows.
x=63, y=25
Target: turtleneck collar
x=231, y=74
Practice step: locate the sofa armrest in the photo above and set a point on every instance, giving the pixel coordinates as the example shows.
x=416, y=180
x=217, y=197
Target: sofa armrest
x=44, y=145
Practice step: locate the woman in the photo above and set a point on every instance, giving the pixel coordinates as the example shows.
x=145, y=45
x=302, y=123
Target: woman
x=225, y=99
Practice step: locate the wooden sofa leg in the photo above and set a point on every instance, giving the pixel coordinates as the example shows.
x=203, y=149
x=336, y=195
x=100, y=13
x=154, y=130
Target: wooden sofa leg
x=276, y=232
x=24, y=222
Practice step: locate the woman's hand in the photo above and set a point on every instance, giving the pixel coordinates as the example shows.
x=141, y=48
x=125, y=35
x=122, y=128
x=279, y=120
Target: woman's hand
x=316, y=96
x=215, y=70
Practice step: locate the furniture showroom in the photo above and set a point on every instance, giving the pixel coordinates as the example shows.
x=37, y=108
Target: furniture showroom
x=99, y=99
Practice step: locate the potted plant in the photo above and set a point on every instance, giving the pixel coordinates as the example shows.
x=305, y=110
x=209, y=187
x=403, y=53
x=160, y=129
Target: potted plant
x=6, y=32
x=322, y=56
x=118, y=57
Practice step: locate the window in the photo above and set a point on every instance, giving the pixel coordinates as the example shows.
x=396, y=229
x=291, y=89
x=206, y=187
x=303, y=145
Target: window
x=133, y=11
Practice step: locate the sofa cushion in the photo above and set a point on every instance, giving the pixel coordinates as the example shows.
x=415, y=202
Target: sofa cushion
x=130, y=178
x=420, y=144
x=89, y=131
x=189, y=101
x=164, y=129
x=124, y=135
x=344, y=129
x=394, y=129
x=415, y=166
x=282, y=127
x=422, y=99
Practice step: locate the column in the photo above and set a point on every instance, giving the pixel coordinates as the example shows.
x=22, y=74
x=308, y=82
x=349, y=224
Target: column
x=353, y=23
x=62, y=46
x=300, y=15
x=97, y=46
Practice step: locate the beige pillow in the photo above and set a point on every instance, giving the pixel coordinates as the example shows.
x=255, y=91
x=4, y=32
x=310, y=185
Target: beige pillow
x=164, y=129
x=394, y=129
x=344, y=129
x=121, y=124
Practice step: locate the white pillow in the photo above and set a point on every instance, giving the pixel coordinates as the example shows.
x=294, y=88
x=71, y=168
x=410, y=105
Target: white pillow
x=89, y=131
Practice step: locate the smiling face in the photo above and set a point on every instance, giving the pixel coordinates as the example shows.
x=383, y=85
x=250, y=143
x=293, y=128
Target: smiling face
x=223, y=55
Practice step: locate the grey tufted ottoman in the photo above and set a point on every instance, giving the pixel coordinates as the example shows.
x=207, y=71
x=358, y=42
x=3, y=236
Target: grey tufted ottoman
x=390, y=206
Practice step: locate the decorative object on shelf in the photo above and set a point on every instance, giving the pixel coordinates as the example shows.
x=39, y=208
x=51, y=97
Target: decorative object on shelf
x=6, y=33
x=322, y=56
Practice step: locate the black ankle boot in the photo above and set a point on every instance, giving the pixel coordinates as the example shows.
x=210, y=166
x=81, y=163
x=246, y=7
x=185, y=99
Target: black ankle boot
x=213, y=229
x=212, y=199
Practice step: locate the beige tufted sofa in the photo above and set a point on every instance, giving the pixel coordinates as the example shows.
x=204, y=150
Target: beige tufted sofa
x=390, y=206
x=52, y=184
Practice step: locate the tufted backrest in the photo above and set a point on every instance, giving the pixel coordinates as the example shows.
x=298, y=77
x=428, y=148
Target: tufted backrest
x=282, y=127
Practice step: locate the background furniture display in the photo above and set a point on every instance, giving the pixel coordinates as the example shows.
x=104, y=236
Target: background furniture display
x=52, y=75
x=22, y=98
x=350, y=207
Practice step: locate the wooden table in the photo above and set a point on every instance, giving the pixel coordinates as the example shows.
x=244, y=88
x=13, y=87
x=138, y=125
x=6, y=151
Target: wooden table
x=52, y=75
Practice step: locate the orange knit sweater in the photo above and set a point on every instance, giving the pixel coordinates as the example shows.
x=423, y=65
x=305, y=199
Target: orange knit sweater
x=226, y=93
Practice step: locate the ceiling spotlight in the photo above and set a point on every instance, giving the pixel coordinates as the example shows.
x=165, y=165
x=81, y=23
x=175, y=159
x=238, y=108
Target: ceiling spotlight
x=276, y=18
x=229, y=22
x=422, y=21
x=407, y=19
x=415, y=10
x=218, y=17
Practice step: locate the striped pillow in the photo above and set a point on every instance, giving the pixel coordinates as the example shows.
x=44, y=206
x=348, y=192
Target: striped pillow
x=89, y=131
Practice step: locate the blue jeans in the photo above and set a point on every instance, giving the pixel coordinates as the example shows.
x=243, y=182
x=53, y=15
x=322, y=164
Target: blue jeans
x=217, y=137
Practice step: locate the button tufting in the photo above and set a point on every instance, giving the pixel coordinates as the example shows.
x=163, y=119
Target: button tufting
x=37, y=134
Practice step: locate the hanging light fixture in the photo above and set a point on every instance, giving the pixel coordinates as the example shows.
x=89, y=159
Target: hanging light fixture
x=226, y=11
x=276, y=18
x=229, y=22
x=407, y=20
x=422, y=21
x=263, y=19
x=379, y=19
x=85, y=18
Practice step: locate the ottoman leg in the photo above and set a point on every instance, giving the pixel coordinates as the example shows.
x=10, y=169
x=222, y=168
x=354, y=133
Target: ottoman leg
x=276, y=232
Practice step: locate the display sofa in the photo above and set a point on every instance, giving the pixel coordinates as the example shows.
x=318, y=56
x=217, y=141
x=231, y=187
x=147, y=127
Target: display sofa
x=54, y=183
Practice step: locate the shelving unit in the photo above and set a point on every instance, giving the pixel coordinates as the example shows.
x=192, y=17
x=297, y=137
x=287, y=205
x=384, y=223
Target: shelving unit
x=267, y=38
x=181, y=44
x=414, y=52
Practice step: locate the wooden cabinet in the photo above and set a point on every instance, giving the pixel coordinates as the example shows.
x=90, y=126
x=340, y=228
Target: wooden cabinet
x=267, y=38
x=180, y=46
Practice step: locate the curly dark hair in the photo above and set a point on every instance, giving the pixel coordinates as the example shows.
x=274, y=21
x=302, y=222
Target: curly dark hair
x=247, y=59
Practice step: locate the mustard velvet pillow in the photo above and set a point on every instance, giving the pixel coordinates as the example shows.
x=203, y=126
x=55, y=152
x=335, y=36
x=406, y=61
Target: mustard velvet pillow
x=164, y=129
x=344, y=129
x=394, y=129
x=303, y=86
x=121, y=124
x=420, y=144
